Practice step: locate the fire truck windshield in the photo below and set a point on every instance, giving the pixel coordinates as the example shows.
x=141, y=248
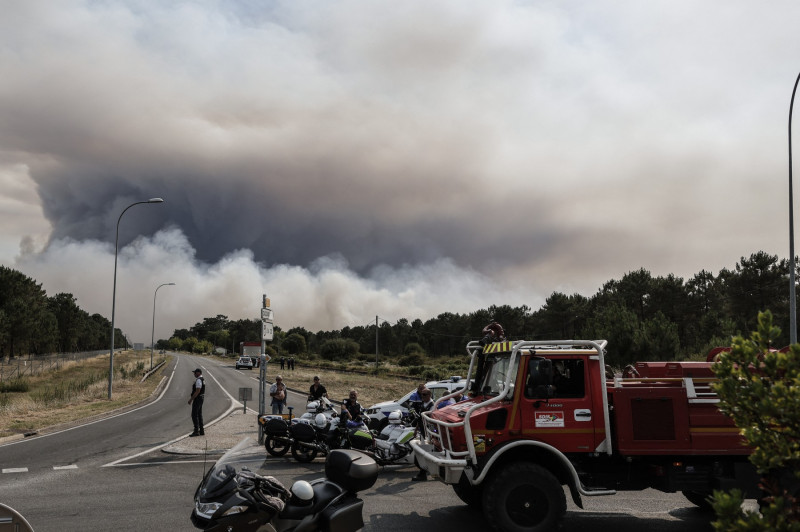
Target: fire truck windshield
x=496, y=369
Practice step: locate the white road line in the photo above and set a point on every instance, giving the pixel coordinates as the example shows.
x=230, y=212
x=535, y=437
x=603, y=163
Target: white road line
x=60, y=467
x=234, y=404
x=15, y=470
x=99, y=420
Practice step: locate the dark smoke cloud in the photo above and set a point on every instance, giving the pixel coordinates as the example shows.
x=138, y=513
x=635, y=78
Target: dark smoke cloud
x=532, y=146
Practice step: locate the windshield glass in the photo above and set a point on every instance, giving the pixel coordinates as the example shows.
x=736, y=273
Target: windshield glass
x=224, y=470
x=496, y=371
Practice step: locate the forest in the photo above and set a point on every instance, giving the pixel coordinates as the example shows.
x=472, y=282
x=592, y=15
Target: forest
x=643, y=317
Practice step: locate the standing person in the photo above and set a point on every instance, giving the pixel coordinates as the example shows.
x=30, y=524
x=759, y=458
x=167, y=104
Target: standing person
x=291, y=363
x=317, y=390
x=351, y=409
x=278, y=393
x=416, y=396
x=282, y=360
x=422, y=406
x=196, y=400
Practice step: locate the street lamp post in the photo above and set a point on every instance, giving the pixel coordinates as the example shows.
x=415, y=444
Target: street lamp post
x=153, y=333
x=114, y=292
x=792, y=294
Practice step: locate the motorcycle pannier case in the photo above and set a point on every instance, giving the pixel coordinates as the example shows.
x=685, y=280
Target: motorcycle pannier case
x=343, y=516
x=350, y=469
x=276, y=427
x=303, y=432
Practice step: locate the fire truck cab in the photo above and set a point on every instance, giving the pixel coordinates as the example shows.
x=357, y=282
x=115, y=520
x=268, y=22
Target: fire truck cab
x=543, y=415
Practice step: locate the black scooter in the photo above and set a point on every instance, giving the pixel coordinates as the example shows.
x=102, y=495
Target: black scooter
x=242, y=500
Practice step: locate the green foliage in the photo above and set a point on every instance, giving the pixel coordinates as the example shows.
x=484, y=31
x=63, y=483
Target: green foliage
x=338, y=349
x=294, y=344
x=760, y=390
x=413, y=359
x=413, y=348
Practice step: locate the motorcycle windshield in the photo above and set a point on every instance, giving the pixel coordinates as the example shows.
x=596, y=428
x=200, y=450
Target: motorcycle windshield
x=221, y=478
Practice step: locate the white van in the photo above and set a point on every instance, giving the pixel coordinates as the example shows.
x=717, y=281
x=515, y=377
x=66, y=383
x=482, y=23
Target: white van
x=379, y=413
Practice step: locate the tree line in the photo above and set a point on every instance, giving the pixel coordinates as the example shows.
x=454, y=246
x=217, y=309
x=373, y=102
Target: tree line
x=643, y=317
x=33, y=323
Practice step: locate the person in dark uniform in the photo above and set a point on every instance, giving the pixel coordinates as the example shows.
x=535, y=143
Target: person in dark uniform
x=196, y=400
x=317, y=390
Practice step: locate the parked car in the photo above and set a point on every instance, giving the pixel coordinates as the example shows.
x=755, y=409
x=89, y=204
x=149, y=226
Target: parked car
x=379, y=413
x=244, y=362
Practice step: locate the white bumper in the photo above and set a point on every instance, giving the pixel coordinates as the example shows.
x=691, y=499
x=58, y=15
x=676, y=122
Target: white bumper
x=437, y=463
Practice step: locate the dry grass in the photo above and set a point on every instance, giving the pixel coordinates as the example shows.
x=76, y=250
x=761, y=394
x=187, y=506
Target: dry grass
x=43, y=405
x=371, y=389
x=76, y=390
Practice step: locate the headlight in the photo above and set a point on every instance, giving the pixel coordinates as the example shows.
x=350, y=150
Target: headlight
x=206, y=509
x=235, y=510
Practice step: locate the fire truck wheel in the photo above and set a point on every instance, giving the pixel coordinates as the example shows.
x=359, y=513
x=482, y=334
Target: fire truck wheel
x=699, y=499
x=524, y=497
x=276, y=447
x=469, y=494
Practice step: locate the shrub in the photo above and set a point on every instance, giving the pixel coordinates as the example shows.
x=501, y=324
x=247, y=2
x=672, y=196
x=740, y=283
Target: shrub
x=413, y=359
x=338, y=349
x=17, y=385
x=758, y=388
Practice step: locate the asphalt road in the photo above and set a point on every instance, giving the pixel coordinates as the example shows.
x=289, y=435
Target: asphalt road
x=113, y=475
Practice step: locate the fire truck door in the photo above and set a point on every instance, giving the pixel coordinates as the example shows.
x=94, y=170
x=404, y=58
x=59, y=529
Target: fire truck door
x=565, y=419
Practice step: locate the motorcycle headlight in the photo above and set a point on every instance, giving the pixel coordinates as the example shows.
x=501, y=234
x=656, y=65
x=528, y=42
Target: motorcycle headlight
x=235, y=510
x=206, y=509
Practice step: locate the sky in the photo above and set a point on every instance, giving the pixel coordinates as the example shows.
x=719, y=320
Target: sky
x=392, y=159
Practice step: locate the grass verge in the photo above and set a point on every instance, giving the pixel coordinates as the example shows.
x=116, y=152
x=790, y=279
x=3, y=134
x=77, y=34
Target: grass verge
x=77, y=390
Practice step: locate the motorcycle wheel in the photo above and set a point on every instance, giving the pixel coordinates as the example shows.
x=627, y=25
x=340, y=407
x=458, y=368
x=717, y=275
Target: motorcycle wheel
x=276, y=447
x=303, y=454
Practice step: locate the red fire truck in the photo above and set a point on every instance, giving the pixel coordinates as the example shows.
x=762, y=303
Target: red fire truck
x=543, y=415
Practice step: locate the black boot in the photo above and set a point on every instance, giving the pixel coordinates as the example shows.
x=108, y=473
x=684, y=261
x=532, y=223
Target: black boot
x=202, y=432
x=193, y=434
x=422, y=475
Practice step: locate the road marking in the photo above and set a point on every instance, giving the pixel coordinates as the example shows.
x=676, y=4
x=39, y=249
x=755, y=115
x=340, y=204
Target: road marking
x=15, y=470
x=166, y=387
x=60, y=467
x=234, y=405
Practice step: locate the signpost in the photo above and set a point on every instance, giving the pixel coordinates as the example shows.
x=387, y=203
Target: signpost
x=267, y=333
x=244, y=395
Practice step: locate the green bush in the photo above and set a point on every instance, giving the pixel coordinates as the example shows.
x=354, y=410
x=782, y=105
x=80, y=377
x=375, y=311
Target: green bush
x=17, y=385
x=338, y=349
x=760, y=390
x=414, y=359
x=413, y=348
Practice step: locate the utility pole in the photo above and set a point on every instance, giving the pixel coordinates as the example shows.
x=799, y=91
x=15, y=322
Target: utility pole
x=376, y=344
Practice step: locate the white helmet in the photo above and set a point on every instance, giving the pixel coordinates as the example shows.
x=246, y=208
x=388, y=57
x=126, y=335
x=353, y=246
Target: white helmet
x=396, y=417
x=302, y=491
x=320, y=420
x=312, y=406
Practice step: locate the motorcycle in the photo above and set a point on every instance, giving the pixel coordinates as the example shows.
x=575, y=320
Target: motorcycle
x=325, y=434
x=277, y=434
x=242, y=500
x=392, y=443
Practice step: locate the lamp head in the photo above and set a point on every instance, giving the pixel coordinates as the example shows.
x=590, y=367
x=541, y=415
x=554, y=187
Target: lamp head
x=155, y=200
